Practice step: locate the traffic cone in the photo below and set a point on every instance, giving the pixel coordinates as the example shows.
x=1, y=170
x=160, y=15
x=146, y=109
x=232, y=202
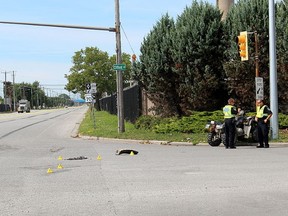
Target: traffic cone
x=99, y=157
x=49, y=171
x=132, y=153
x=60, y=158
x=59, y=166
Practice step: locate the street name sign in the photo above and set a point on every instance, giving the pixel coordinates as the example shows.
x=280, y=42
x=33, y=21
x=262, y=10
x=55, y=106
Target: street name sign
x=120, y=67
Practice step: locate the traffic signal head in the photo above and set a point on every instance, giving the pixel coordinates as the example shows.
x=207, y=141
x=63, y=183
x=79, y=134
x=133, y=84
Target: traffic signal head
x=133, y=58
x=242, y=41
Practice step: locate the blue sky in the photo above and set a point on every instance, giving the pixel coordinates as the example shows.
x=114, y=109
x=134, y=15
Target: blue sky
x=45, y=54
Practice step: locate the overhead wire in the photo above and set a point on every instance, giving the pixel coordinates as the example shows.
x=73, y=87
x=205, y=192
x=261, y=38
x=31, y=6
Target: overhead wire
x=127, y=38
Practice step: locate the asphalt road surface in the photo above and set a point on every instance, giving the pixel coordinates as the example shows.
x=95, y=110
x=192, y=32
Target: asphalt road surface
x=160, y=180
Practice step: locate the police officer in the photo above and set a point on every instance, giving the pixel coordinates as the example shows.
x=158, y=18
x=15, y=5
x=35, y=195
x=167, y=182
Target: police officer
x=262, y=117
x=230, y=112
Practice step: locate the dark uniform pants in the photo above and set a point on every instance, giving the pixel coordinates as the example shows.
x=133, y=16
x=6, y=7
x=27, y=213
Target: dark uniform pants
x=263, y=131
x=230, y=128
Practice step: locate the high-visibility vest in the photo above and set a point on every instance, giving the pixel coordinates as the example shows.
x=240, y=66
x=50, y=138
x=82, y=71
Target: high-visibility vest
x=227, y=110
x=260, y=112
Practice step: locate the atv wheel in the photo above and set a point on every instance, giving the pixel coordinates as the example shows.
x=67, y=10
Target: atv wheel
x=212, y=140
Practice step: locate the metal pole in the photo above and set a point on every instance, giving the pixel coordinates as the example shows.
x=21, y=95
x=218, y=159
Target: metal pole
x=37, y=99
x=256, y=54
x=14, y=93
x=59, y=26
x=120, y=108
x=5, y=91
x=31, y=98
x=273, y=71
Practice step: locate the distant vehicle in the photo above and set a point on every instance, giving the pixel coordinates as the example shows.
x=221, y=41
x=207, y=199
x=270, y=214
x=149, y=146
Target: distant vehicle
x=24, y=106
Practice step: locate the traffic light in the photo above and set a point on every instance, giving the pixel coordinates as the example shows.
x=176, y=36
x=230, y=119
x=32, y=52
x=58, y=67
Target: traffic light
x=133, y=58
x=242, y=41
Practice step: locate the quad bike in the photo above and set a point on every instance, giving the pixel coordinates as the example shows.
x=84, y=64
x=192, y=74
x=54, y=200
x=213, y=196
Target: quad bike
x=216, y=133
x=246, y=130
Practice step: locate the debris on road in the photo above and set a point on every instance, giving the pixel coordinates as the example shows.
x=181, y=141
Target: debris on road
x=126, y=151
x=78, y=158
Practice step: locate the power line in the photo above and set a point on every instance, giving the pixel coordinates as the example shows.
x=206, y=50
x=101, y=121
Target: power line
x=127, y=38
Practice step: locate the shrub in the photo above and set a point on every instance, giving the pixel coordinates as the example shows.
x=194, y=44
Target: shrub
x=146, y=122
x=195, y=123
x=283, y=121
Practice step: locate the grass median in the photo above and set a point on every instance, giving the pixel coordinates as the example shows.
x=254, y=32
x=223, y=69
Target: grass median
x=103, y=124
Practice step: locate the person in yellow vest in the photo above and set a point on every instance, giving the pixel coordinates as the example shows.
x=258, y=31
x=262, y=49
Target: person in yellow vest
x=263, y=114
x=230, y=112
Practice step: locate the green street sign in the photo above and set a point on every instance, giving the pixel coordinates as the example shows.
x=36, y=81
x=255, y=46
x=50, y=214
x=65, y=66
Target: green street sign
x=121, y=67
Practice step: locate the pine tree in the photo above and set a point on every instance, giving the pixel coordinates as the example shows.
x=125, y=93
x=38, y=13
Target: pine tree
x=155, y=73
x=198, y=53
x=282, y=53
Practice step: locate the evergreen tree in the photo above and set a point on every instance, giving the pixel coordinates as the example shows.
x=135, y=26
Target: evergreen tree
x=154, y=73
x=198, y=53
x=282, y=53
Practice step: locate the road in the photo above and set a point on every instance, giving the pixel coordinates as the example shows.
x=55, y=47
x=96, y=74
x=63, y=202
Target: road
x=159, y=180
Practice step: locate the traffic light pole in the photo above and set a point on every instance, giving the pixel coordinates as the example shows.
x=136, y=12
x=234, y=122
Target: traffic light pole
x=256, y=54
x=273, y=74
x=120, y=103
x=273, y=71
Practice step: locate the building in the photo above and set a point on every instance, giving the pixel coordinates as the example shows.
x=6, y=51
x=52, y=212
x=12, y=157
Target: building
x=224, y=6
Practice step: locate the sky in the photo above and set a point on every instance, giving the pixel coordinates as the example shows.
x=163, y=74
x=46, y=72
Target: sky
x=45, y=54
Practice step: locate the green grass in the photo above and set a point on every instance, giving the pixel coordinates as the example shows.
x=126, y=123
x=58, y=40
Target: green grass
x=106, y=125
x=103, y=124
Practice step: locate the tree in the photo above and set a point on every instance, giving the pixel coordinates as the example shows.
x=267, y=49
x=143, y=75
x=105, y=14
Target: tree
x=198, y=55
x=181, y=63
x=282, y=53
x=31, y=92
x=92, y=65
x=65, y=99
x=251, y=16
x=155, y=72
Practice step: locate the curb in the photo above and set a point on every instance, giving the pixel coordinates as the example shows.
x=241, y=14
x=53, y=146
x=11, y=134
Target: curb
x=147, y=142
x=159, y=142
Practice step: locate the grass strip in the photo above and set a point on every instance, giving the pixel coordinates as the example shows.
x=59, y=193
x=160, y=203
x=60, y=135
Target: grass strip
x=106, y=125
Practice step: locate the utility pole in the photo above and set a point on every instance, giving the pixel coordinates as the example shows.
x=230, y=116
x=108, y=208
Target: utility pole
x=120, y=108
x=5, y=91
x=31, y=97
x=14, y=93
x=37, y=99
